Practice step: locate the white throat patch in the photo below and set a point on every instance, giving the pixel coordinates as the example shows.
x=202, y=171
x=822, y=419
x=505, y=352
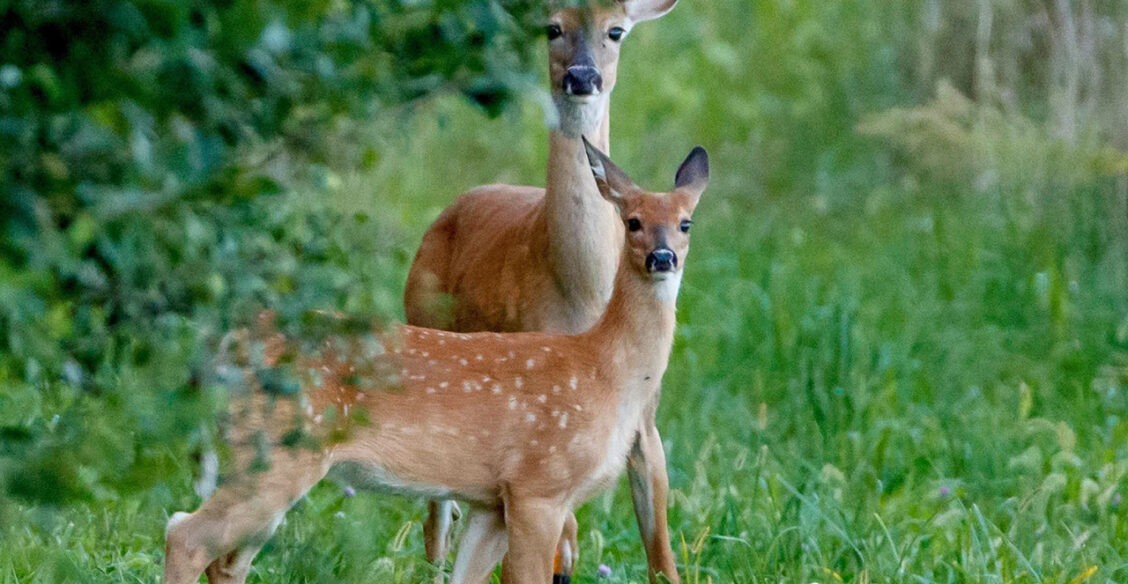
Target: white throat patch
x=667, y=288
x=578, y=119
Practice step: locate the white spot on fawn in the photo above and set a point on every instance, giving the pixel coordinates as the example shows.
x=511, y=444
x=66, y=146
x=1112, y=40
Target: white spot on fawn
x=463, y=362
x=518, y=382
x=573, y=383
x=530, y=364
x=496, y=389
x=564, y=420
x=555, y=389
x=530, y=417
x=443, y=385
x=542, y=398
x=430, y=390
x=512, y=402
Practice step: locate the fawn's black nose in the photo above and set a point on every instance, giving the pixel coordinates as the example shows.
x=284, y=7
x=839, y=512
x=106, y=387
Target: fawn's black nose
x=582, y=80
x=661, y=260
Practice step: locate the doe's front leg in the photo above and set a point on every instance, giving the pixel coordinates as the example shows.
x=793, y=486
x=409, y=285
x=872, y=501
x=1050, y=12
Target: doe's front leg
x=650, y=486
x=437, y=532
x=482, y=546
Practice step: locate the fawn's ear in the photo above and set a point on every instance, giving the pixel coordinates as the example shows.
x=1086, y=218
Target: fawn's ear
x=640, y=10
x=693, y=174
x=613, y=183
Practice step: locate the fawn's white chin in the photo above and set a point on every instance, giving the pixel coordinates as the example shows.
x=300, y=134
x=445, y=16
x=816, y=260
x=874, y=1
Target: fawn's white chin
x=666, y=285
x=586, y=98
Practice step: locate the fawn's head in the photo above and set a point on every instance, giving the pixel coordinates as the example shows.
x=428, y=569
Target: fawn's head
x=657, y=224
x=583, y=44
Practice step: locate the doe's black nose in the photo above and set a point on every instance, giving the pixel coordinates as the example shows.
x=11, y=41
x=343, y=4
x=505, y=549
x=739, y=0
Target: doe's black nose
x=582, y=80
x=661, y=260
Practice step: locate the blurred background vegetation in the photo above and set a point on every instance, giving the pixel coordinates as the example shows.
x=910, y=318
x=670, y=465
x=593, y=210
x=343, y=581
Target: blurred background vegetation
x=903, y=350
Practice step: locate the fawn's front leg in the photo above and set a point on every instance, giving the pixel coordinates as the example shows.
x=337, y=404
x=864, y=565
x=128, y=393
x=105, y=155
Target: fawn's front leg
x=534, y=527
x=650, y=485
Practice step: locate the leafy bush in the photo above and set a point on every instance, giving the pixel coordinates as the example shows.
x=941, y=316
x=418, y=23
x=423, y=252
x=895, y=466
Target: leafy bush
x=163, y=169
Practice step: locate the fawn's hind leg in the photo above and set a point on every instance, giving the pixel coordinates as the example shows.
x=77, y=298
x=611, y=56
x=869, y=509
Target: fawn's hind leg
x=233, y=567
x=229, y=528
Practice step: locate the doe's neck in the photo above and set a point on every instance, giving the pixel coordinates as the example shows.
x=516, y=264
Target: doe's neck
x=592, y=120
x=583, y=230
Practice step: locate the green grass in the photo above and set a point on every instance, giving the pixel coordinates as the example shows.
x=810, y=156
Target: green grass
x=888, y=367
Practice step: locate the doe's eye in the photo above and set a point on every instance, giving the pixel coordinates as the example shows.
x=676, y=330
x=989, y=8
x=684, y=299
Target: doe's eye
x=616, y=33
x=634, y=224
x=553, y=31
x=685, y=225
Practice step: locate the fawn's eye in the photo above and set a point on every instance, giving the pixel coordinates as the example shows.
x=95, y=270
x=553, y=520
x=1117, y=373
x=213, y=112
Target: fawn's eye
x=634, y=224
x=553, y=31
x=685, y=225
x=616, y=33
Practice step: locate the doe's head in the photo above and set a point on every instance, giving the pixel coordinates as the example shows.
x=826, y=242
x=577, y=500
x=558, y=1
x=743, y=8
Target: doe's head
x=584, y=40
x=657, y=224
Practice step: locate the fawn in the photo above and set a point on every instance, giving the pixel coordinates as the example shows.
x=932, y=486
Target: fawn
x=521, y=426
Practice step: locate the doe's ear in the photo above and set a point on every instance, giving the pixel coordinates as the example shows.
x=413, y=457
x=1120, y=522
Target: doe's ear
x=640, y=10
x=693, y=174
x=613, y=183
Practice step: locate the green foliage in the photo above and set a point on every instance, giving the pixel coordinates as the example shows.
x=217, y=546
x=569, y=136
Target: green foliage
x=154, y=161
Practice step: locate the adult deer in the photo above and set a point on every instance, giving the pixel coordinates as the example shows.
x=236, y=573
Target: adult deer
x=514, y=258
x=522, y=426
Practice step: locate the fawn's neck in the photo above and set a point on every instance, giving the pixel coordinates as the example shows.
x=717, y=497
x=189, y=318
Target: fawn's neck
x=638, y=327
x=582, y=229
